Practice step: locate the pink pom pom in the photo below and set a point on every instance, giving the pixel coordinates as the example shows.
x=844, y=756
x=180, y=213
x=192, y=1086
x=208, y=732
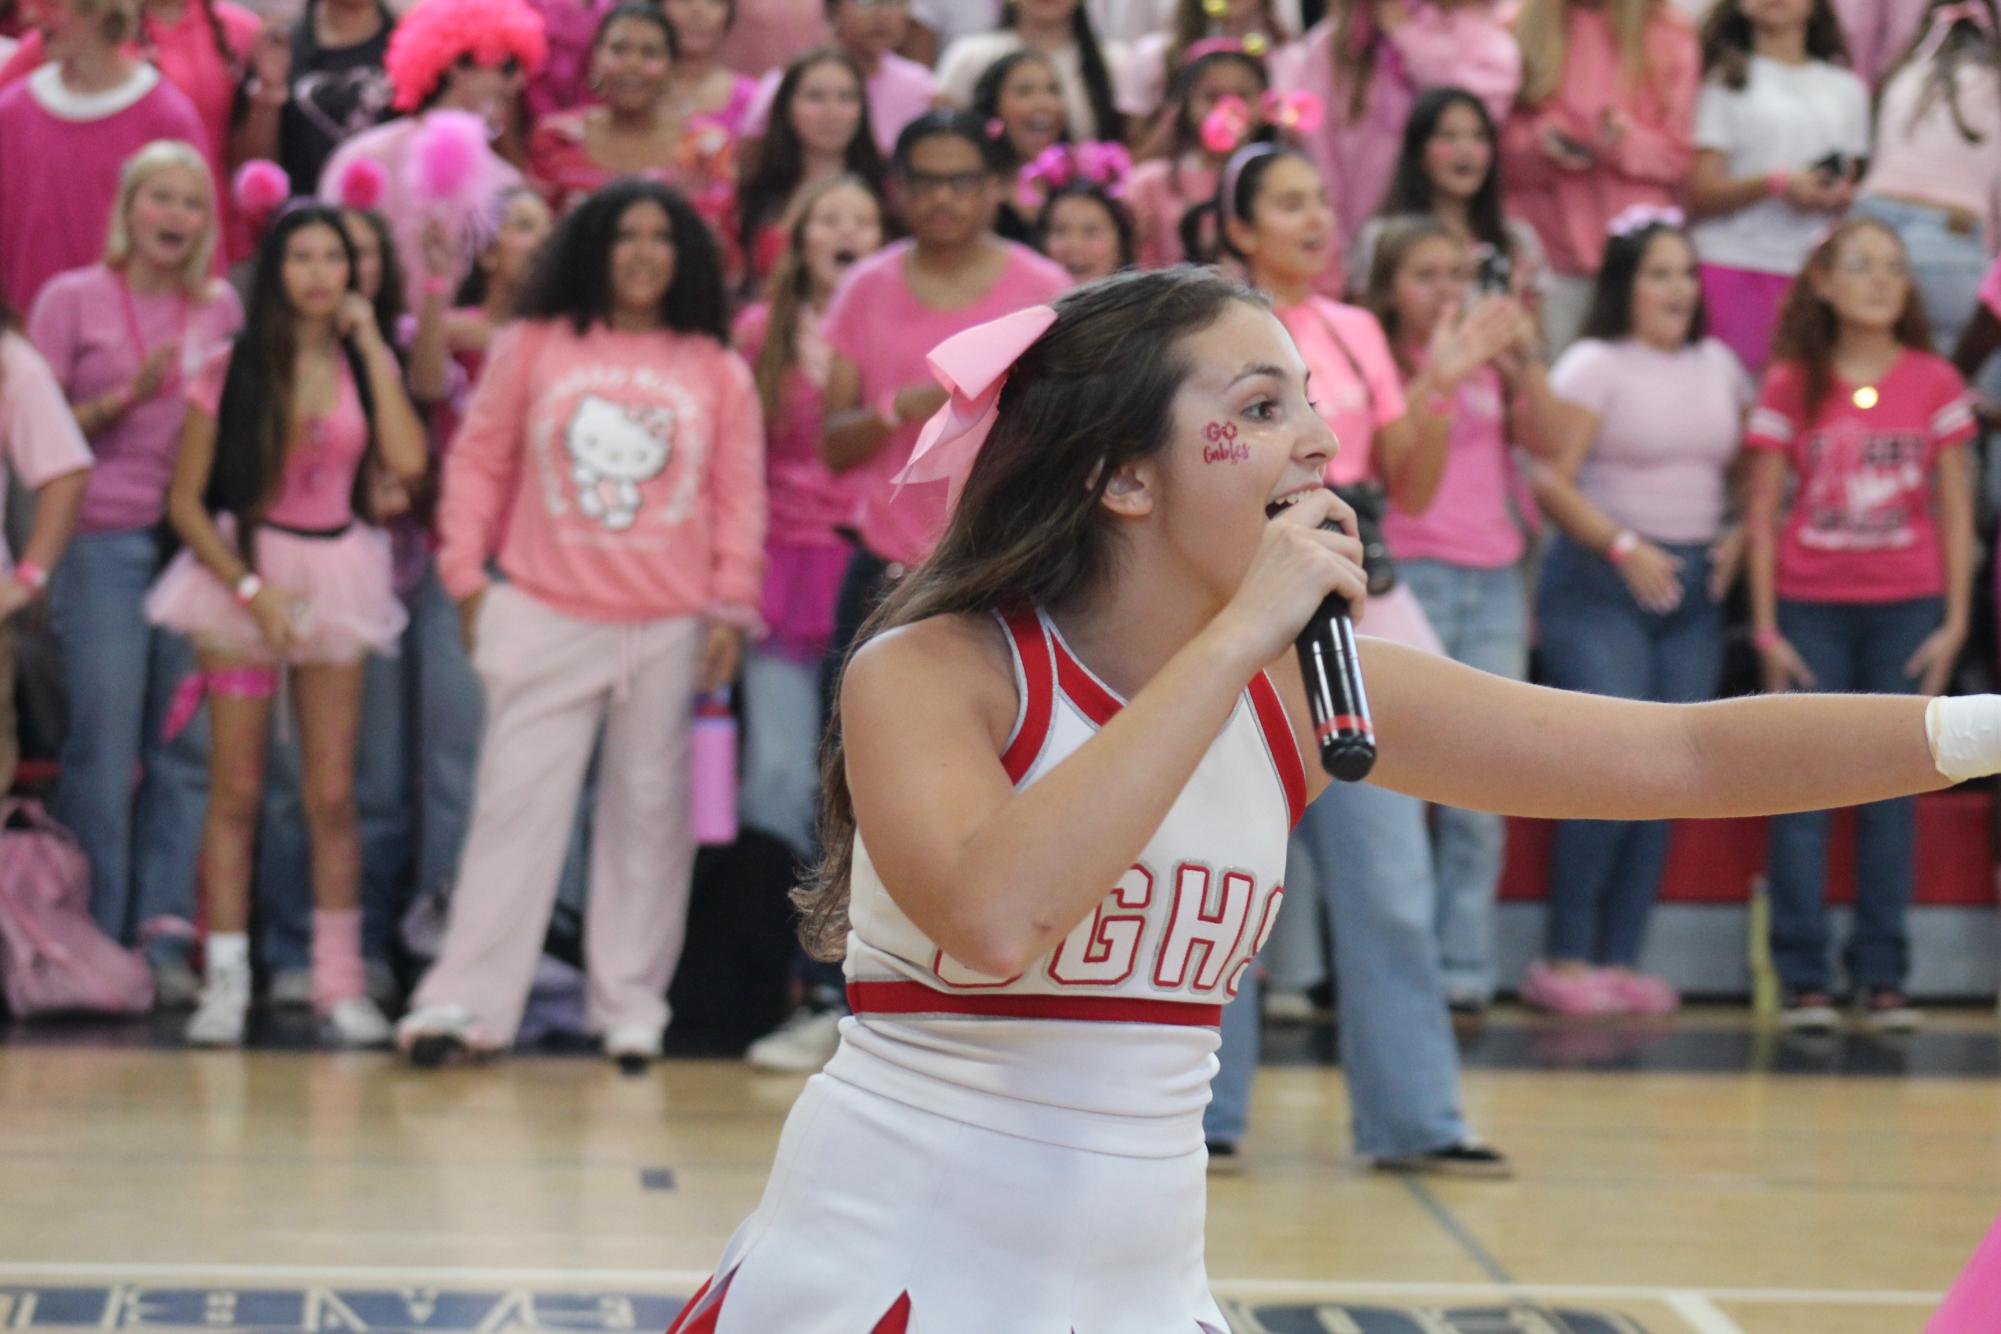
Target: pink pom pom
x=259, y=187
x=448, y=157
x=362, y=184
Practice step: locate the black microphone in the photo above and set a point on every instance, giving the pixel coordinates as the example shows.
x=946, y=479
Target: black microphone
x=1334, y=694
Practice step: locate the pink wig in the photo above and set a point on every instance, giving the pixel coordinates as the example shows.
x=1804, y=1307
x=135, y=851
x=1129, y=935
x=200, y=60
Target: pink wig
x=437, y=34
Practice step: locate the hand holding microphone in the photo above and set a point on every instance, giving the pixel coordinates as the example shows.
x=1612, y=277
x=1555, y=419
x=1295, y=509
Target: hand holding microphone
x=1302, y=584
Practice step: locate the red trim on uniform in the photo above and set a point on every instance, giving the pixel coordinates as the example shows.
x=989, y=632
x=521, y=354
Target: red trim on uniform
x=1086, y=691
x=1031, y=645
x=702, y=1312
x=896, y=1319
x=1344, y=722
x=916, y=998
x=1282, y=742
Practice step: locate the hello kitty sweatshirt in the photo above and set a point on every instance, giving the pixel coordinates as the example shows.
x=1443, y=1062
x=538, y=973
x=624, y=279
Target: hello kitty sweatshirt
x=614, y=476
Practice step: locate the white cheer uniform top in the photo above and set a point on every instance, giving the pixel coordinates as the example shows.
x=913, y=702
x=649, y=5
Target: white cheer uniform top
x=1107, y=1042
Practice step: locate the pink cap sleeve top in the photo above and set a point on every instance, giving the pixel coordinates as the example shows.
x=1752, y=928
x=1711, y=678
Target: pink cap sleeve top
x=1861, y=527
x=1472, y=520
x=879, y=326
x=95, y=334
x=38, y=433
x=1668, y=426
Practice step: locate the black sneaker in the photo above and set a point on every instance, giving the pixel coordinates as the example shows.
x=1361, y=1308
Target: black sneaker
x=1809, y=1011
x=1468, y=1158
x=1888, y=1010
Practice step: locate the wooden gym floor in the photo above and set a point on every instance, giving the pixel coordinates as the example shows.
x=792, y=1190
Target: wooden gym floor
x=1694, y=1176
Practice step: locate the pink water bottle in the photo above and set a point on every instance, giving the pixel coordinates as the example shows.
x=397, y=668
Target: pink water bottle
x=712, y=769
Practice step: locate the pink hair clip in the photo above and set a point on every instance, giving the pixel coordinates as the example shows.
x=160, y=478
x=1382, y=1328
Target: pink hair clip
x=1295, y=113
x=973, y=367
x=1639, y=217
x=1226, y=125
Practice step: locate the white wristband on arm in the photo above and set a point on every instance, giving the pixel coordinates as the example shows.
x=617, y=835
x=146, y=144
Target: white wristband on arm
x=1965, y=735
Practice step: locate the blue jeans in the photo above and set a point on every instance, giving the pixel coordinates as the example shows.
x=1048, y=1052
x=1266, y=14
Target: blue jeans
x=1482, y=618
x=1605, y=874
x=1946, y=266
x=385, y=818
x=121, y=671
x=1861, y=647
x=1365, y=851
x=781, y=752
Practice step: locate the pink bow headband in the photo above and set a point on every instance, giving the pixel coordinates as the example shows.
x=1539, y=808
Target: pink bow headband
x=1104, y=165
x=1639, y=217
x=973, y=367
x=1254, y=45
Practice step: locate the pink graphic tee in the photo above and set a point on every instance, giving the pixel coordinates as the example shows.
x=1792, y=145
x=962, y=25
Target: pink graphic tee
x=1862, y=526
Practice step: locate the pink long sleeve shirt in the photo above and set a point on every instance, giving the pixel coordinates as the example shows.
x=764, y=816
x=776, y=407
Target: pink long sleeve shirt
x=1648, y=164
x=1435, y=47
x=614, y=476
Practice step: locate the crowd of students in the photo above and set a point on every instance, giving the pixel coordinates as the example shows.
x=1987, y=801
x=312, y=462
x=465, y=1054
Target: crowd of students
x=471, y=387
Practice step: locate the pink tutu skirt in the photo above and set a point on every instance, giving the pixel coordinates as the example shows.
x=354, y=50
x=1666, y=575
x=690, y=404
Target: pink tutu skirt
x=345, y=583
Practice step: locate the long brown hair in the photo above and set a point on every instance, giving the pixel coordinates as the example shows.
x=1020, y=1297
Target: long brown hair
x=1093, y=394
x=1542, y=30
x=1808, y=329
x=1962, y=42
x=1400, y=236
x=786, y=294
x=1727, y=40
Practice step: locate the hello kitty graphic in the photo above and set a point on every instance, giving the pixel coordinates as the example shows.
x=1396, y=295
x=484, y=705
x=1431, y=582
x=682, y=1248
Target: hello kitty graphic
x=612, y=450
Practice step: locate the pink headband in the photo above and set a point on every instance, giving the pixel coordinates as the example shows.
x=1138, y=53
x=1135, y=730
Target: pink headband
x=973, y=367
x=1104, y=165
x=1940, y=22
x=1639, y=217
x=1253, y=45
x=1233, y=171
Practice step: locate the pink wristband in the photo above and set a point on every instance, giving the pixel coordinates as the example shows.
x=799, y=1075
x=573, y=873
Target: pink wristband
x=436, y=286
x=885, y=408
x=1767, y=638
x=1778, y=183
x=1622, y=546
x=30, y=576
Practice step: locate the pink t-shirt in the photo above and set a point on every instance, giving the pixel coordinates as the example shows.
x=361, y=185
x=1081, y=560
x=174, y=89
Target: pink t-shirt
x=1472, y=519
x=38, y=433
x=885, y=332
x=95, y=335
x=317, y=491
x=1862, y=528
x=615, y=476
x=808, y=501
x=1668, y=426
x=898, y=92
x=1921, y=151
x=60, y=156
x=1355, y=380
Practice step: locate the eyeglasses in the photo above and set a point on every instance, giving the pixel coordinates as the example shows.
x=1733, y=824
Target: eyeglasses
x=880, y=4
x=958, y=182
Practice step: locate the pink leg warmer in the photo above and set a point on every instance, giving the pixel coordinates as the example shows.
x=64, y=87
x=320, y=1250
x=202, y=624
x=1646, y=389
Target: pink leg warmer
x=337, y=970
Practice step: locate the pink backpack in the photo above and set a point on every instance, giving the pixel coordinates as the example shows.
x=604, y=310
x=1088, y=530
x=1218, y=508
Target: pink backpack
x=52, y=956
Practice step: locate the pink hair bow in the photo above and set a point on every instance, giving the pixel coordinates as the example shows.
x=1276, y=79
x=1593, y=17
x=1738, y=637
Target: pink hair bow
x=973, y=367
x=1104, y=165
x=1295, y=113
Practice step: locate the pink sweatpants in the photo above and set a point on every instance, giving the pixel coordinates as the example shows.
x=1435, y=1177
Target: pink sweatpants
x=551, y=680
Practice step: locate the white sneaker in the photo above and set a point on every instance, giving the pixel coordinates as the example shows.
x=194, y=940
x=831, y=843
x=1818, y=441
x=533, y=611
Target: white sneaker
x=632, y=1046
x=356, y=1022
x=220, y=1010
x=802, y=1044
x=438, y=1035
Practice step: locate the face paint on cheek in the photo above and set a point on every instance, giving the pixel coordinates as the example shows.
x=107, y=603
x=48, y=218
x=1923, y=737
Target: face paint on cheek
x=1223, y=445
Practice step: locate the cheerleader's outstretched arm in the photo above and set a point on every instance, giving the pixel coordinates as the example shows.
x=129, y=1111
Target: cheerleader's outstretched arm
x=1453, y=735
